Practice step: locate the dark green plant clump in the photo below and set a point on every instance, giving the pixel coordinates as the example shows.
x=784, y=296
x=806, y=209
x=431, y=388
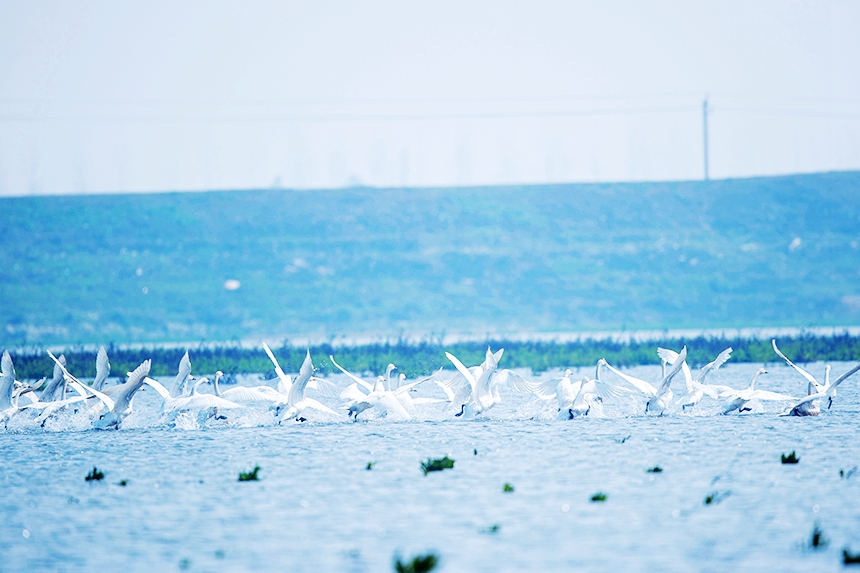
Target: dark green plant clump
x=716, y=497
x=251, y=475
x=849, y=558
x=655, y=470
x=95, y=475
x=508, y=488
x=437, y=465
x=418, y=564
x=370, y=465
x=790, y=458
x=123, y=482
x=599, y=496
x=817, y=540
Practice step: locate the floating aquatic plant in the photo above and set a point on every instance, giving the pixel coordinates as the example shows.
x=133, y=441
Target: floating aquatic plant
x=622, y=440
x=95, y=475
x=508, y=488
x=655, y=470
x=817, y=540
x=845, y=475
x=716, y=497
x=790, y=458
x=123, y=482
x=370, y=465
x=251, y=475
x=849, y=558
x=418, y=564
x=437, y=465
x=599, y=496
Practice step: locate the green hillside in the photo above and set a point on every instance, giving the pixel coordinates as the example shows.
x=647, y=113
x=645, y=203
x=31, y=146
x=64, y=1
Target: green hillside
x=124, y=268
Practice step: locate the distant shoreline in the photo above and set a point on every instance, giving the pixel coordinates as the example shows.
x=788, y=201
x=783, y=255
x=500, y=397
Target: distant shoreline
x=416, y=358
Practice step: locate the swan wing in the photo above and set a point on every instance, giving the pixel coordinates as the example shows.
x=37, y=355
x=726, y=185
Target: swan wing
x=244, y=394
x=462, y=369
x=107, y=401
x=510, y=379
x=102, y=368
x=680, y=362
x=606, y=390
x=352, y=376
x=182, y=374
x=806, y=400
x=311, y=403
x=768, y=395
x=839, y=380
x=408, y=387
x=799, y=370
x=637, y=383
x=6, y=365
x=324, y=387
x=86, y=391
x=456, y=388
x=282, y=377
x=670, y=356
x=77, y=385
x=709, y=390
x=157, y=386
x=721, y=359
x=352, y=393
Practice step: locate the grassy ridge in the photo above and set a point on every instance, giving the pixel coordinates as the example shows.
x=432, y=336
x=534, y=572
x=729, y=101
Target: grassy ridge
x=423, y=358
x=578, y=257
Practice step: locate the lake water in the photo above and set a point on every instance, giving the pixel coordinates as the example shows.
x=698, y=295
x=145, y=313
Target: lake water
x=317, y=508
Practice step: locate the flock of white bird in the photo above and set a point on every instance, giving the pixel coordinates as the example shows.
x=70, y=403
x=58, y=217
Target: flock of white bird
x=469, y=392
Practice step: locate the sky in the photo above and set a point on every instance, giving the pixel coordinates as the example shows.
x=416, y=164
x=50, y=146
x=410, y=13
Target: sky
x=105, y=97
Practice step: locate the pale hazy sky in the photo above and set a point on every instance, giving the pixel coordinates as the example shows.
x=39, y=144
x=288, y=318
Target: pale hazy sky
x=139, y=96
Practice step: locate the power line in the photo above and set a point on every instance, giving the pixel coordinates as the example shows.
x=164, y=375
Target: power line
x=351, y=117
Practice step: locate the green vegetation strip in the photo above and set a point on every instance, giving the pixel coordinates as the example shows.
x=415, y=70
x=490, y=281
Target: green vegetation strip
x=420, y=359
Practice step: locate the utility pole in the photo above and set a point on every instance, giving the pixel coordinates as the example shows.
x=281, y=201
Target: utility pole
x=705, y=132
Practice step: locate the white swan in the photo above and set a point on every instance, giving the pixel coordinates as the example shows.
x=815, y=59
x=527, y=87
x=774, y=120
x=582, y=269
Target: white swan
x=296, y=402
x=739, y=399
x=589, y=393
x=696, y=389
x=123, y=397
x=394, y=404
x=660, y=397
x=478, y=389
x=285, y=382
x=381, y=399
x=80, y=400
x=205, y=406
x=809, y=406
x=246, y=394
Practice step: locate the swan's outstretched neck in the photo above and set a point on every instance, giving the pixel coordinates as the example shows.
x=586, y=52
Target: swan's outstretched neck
x=218, y=376
x=758, y=373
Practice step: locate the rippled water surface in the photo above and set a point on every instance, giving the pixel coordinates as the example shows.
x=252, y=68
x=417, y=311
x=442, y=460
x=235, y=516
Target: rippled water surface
x=317, y=508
